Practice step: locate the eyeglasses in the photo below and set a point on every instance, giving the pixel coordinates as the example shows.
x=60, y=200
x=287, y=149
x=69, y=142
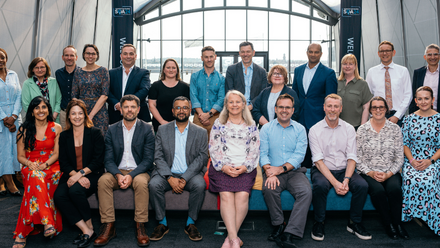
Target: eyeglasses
x=385, y=51
x=284, y=107
x=276, y=74
x=375, y=108
x=185, y=108
x=90, y=54
x=432, y=54
x=40, y=68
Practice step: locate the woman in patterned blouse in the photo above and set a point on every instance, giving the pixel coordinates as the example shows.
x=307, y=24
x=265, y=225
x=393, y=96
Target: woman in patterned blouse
x=380, y=156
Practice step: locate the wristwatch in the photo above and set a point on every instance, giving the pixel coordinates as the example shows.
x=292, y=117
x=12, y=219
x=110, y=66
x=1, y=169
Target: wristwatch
x=83, y=173
x=210, y=114
x=432, y=161
x=285, y=168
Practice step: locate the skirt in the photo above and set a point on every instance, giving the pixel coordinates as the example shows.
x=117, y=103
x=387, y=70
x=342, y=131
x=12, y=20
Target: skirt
x=220, y=182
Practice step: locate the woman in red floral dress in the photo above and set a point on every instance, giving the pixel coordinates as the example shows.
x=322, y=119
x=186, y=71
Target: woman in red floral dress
x=37, y=149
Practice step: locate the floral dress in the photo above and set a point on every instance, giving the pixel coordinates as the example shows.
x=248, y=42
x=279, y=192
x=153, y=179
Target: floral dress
x=37, y=206
x=421, y=189
x=89, y=86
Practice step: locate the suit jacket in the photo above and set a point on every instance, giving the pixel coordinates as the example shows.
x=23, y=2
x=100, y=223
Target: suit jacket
x=312, y=104
x=418, y=80
x=260, y=104
x=92, y=152
x=196, y=150
x=235, y=79
x=142, y=148
x=138, y=84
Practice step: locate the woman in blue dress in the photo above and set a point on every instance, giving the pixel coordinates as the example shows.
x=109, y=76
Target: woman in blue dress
x=10, y=108
x=421, y=177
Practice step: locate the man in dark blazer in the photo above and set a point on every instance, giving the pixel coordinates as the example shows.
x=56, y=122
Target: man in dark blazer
x=125, y=80
x=129, y=155
x=181, y=155
x=427, y=76
x=313, y=81
x=245, y=76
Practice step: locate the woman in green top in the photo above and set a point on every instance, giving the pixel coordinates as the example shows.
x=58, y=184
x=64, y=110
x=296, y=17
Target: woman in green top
x=40, y=83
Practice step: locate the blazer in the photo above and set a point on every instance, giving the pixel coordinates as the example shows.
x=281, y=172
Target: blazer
x=196, y=150
x=260, y=104
x=138, y=84
x=235, y=79
x=92, y=152
x=323, y=83
x=142, y=147
x=418, y=80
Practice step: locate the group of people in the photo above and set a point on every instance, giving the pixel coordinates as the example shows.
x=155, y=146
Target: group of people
x=346, y=129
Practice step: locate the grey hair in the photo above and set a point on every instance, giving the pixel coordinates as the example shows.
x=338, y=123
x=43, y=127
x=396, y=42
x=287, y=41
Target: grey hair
x=246, y=113
x=432, y=46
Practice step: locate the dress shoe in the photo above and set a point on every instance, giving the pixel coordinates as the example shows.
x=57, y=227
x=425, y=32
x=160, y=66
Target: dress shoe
x=3, y=192
x=193, y=233
x=78, y=239
x=391, y=231
x=107, y=233
x=86, y=240
x=141, y=235
x=402, y=232
x=159, y=232
x=286, y=240
x=277, y=231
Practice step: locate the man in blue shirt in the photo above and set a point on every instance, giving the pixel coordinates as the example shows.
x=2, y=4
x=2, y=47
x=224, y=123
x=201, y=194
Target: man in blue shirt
x=283, y=144
x=207, y=91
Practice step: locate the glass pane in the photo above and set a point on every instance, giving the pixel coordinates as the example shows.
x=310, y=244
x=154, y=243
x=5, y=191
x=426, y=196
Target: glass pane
x=151, y=59
x=151, y=31
x=171, y=28
x=257, y=24
x=299, y=28
x=236, y=24
x=259, y=60
x=171, y=49
x=279, y=4
x=258, y=3
x=236, y=2
x=154, y=13
x=260, y=45
x=300, y=7
x=320, y=31
x=171, y=7
x=219, y=45
x=193, y=26
x=191, y=62
x=213, y=3
x=226, y=61
x=277, y=28
x=325, y=53
x=278, y=53
x=233, y=45
x=215, y=24
x=298, y=56
x=192, y=4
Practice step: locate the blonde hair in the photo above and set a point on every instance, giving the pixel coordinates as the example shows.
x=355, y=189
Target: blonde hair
x=351, y=58
x=246, y=113
x=333, y=96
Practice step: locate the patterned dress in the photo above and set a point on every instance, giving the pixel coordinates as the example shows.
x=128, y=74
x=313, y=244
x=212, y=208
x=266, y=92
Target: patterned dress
x=421, y=189
x=89, y=86
x=37, y=206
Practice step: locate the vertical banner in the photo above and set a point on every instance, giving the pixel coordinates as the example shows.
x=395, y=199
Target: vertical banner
x=122, y=28
x=350, y=29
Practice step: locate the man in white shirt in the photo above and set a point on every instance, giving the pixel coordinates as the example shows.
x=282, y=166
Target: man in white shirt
x=392, y=82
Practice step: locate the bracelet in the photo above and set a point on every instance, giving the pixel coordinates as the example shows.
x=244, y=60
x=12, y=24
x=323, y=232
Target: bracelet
x=347, y=178
x=411, y=160
x=15, y=118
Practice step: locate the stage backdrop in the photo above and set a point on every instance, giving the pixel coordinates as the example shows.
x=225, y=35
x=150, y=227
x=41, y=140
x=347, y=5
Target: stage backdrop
x=122, y=28
x=350, y=29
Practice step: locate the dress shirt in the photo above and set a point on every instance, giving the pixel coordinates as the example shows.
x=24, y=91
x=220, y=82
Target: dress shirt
x=125, y=77
x=381, y=151
x=248, y=81
x=400, y=86
x=279, y=145
x=65, y=79
x=308, y=76
x=431, y=80
x=207, y=92
x=128, y=162
x=10, y=101
x=179, y=162
x=333, y=145
x=271, y=105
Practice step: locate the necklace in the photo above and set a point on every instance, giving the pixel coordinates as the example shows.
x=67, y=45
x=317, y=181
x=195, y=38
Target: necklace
x=241, y=121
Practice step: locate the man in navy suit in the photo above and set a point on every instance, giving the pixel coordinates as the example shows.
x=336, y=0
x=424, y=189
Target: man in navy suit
x=125, y=80
x=245, y=76
x=312, y=82
x=427, y=76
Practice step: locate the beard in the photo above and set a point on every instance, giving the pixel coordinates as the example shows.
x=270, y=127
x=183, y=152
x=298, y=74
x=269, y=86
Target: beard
x=184, y=119
x=129, y=118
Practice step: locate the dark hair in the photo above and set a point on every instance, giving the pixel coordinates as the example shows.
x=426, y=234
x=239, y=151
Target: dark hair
x=208, y=48
x=424, y=88
x=6, y=55
x=385, y=42
x=128, y=45
x=27, y=128
x=34, y=63
x=76, y=102
x=130, y=98
x=162, y=75
x=181, y=98
x=246, y=43
x=92, y=46
x=281, y=69
x=70, y=46
x=379, y=98
x=285, y=96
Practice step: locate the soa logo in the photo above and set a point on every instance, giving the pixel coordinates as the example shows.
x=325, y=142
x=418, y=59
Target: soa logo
x=119, y=12
x=351, y=11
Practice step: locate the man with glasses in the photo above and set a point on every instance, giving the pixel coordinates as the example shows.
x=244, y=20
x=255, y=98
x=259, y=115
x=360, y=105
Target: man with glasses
x=392, y=82
x=427, y=76
x=207, y=91
x=283, y=144
x=181, y=155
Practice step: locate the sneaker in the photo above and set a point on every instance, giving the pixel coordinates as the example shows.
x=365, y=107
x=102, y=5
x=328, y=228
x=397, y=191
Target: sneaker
x=359, y=230
x=318, y=231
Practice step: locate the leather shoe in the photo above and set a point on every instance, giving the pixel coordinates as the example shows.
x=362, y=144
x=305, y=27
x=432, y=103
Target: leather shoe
x=3, y=192
x=159, y=232
x=277, y=231
x=78, y=239
x=391, y=231
x=402, y=232
x=107, y=233
x=86, y=240
x=16, y=193
x=193, y=233
x=286, y=240
x=141, y=235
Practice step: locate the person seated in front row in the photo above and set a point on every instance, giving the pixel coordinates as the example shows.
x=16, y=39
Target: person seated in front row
x=333, y=145
x=181, y=155
x=283, y=145
x=82, y=163
x=129, y=153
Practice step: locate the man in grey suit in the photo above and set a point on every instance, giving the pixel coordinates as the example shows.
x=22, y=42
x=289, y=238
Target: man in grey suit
x=129, y=153
x=245, y=76
x=181, y=156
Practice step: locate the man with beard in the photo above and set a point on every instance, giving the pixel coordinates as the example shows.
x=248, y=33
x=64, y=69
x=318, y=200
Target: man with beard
x=181, y=156
x=129, y=155
x=333, y=145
